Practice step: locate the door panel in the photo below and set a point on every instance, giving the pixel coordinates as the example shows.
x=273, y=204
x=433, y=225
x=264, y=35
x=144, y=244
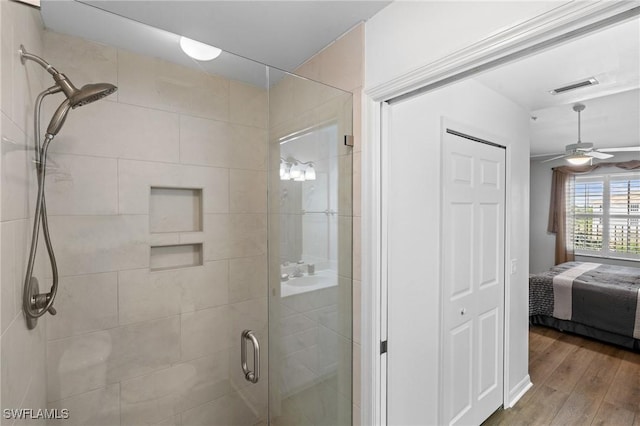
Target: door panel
x=473, y=259
x=461, y=395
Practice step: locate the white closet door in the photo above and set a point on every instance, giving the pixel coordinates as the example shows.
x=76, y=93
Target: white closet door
x=472, y=240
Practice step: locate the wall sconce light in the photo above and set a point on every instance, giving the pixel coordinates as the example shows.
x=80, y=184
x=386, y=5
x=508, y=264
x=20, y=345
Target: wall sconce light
x=310, y=173
x=299, y=171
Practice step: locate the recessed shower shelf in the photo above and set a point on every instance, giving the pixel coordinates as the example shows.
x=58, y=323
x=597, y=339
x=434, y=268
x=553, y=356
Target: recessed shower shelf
x=175, y=256
x=175, y=210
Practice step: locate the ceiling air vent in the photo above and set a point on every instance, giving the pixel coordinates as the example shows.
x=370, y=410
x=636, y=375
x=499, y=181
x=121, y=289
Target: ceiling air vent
x=588, y=82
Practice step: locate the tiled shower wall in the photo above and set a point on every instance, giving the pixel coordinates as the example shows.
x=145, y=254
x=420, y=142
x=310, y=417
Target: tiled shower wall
x=23, y=352
x=341, y=65
x=131, y=345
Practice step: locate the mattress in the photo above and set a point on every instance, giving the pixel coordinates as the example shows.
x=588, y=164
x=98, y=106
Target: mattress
x=604, y=297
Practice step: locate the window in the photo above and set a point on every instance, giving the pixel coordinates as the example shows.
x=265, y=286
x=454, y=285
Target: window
x=606, y=215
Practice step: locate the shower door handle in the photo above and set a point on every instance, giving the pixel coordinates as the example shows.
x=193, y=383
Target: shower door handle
x=251, y=376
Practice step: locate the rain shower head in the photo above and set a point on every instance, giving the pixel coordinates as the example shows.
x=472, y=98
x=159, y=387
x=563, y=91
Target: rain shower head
x=91, y=93
x=75, y=97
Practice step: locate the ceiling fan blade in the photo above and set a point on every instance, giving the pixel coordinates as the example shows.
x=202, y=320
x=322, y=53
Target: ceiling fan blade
x=546, y=155
x=598, y=155
x=621, y=149
x=554, y=158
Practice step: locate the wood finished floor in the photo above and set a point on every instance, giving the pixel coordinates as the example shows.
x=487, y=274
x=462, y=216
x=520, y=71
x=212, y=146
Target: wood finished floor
x=576, y=381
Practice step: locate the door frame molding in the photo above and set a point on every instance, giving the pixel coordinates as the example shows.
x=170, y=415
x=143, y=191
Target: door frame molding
x=567, y=21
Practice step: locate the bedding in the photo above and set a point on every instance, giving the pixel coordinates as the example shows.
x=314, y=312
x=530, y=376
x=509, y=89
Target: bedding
x=602, y=298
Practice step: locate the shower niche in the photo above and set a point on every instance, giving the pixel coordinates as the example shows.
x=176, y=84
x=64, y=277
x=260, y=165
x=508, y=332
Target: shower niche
x=175, y=224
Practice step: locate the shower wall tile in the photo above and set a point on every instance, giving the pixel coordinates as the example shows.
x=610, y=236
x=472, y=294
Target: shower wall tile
x=163, y=394
x=78, y=364
x=220, y=144
x=36, y=393
x=16, y=172
x=357, y=125
x=248, y=105
x=206, y=287
x=155, y=83
x=85, y=303
x=230, y=410
x=7, y=55
x=357, y=184
x=205, y=332
x=22, y=374
x=145, y=295
x=81, y=185
x=90, y=361
x=357, y=375
x=205, y=142
x=98, y=64
x=97, y=407
x=8, y=275
x=118, y=130
x=345, y=246
x=22, y=353
x=247, y=191
x=171, y=421
x=342, y=65
x=235, y=235
x=357, y=310
x=248, y=147
x=92, y=244
x=136, y=177
x=144, y=347
x=21, y=25
x=247, y=278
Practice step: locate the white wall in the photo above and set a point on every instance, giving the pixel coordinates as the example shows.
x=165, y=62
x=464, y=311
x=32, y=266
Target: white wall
x=407, y=35
x=417, y=219
x=542, y=243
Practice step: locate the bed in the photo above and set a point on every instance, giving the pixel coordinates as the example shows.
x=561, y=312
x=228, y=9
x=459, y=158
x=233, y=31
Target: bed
x=591, y=299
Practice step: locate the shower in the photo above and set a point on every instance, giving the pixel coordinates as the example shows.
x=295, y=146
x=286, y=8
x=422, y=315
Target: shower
x=34, y=303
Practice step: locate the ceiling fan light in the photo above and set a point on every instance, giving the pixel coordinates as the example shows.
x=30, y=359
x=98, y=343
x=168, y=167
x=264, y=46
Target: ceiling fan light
x=578, y=159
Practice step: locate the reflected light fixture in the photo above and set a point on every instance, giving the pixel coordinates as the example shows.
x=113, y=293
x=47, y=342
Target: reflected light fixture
x=579, y=159
x=297, y=171
x=197, y=50
x=310, y=173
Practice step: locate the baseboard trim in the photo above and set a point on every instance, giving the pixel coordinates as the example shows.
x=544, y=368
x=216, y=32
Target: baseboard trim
x=519, y=390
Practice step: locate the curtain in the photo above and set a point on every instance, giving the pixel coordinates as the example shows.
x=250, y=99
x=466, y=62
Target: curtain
x=561, y=205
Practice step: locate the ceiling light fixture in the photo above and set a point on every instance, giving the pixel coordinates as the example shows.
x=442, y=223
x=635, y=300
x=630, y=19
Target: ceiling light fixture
x=197, y=50
x=578, y=159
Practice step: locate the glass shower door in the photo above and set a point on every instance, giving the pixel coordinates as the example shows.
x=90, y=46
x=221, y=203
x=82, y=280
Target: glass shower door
x=310, y=246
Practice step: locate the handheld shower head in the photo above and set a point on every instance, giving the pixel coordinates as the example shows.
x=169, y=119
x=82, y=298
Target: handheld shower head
x=58, y=118
x=91, y=93
x=75, y=97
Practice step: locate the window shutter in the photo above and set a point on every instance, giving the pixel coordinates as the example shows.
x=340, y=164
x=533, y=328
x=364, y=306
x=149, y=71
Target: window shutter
x=588, y=223
x=624, y=214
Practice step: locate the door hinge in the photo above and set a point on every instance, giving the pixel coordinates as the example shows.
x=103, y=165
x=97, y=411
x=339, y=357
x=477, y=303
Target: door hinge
x=348, y=140
x=383, y=347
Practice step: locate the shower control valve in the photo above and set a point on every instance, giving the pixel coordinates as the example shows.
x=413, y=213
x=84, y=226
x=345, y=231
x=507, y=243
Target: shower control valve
x=40, y=301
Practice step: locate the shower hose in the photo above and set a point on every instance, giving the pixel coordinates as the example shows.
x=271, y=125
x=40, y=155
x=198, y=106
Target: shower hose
x=36, y=305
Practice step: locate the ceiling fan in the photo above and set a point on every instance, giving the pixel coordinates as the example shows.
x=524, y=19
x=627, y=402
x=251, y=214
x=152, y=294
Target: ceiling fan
x=580, y=153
